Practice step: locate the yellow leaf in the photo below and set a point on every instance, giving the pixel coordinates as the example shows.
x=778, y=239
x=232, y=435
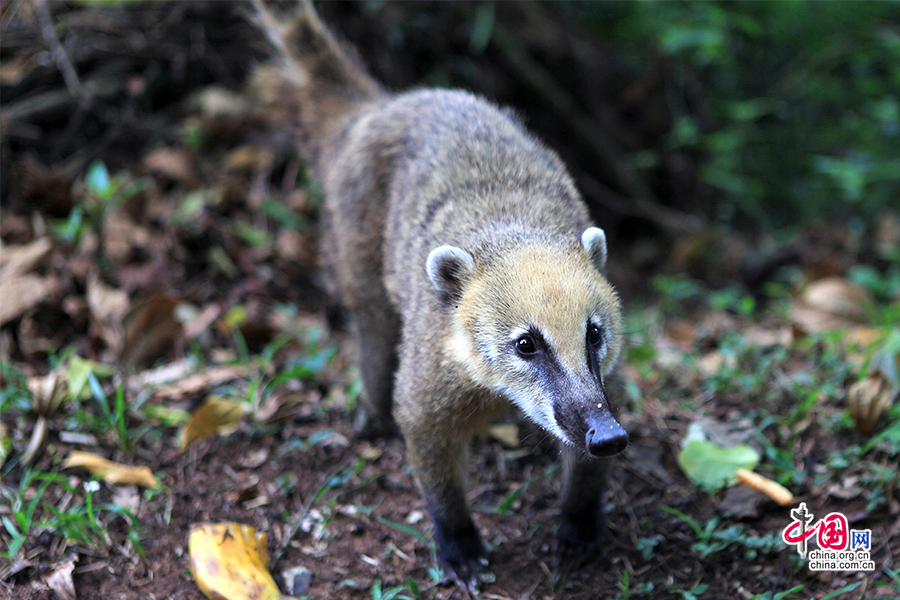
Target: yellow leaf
x=213, y=416
x=229, y=562
x=109, y=471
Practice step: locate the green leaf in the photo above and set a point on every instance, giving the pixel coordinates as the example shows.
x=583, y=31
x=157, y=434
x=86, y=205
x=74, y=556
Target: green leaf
x=97, y=179
x=712, y=466
x=78, y=374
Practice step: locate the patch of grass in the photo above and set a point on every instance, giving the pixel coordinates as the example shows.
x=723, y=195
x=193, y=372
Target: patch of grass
x=626, y=590
x=695, y=593
x=785, y=595
x=712, y=539
x=47, y=503
x=394, y=593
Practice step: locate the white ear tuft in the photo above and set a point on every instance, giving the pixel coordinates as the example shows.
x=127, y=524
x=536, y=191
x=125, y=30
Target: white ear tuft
x=448, y=267
x=594, y=242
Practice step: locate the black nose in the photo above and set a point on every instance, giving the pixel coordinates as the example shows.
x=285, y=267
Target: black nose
x=606, y=437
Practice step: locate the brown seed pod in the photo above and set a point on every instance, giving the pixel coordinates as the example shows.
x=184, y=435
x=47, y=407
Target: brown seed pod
x=869, y=399
x=764, y=485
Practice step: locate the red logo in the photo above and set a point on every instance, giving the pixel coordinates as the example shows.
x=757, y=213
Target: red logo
x=833, y=532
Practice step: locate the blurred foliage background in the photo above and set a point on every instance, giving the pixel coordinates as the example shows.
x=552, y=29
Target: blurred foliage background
x=805, y=98
x=719, y=139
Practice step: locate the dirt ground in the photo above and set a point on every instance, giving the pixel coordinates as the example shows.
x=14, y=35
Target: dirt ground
x=264, y=478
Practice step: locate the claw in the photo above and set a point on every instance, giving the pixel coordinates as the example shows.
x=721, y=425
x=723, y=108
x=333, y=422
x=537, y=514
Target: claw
x=466, y=575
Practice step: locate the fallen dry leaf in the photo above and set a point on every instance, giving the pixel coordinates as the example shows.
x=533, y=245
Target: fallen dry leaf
x=109, y=471
x=196, y=323
x=150, y=328
x=14, y=70
x=213, y=416
x=59, y=579
x=48, y=391
x=38, y=434
x=248, y=158
x=204, y=380
x=107, y=306
x=173, y=163
x=217, y=101
x=829, y=304
x=505, y=433
x=122, y=235
x=681, y=333
x=21, y=290
x=18, y=260
x=20, y=293
x=229, y=562
x=838, y=296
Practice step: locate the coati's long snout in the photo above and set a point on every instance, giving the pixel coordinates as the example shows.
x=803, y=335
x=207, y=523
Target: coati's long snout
x=589, y=424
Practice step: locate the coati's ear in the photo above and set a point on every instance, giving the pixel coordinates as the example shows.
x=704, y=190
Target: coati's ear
x=594, y=241
x=448, y=267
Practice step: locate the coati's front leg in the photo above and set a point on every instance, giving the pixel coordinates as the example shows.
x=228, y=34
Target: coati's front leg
x=438, y=464
x=437, y=428
x=582, y=498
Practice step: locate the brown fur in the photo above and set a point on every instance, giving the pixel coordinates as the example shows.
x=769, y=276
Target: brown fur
x=453, y=235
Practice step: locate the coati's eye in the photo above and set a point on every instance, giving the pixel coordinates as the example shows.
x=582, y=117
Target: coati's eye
x=525, y=346
x=594, y=336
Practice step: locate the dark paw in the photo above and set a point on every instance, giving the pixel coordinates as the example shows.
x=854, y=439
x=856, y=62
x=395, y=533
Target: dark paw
x=465, y=573
x=573, y=554
x=370, y=426
x=463, y=560
x=575, y=545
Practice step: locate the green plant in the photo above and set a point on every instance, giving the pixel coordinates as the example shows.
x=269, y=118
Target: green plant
x=115, y=417
x=81, y=521
x=884, y=286
x=778, y=595
x=394, y=593
x=624, y=585
x=712, y=540
x=101, y=194
x=843, y=590
x=695, y=593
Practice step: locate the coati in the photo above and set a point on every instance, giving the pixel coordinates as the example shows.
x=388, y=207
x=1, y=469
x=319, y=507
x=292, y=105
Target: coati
x=473, y=277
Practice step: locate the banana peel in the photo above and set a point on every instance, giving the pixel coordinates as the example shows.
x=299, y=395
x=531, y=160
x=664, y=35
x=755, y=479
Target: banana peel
x=229, y=562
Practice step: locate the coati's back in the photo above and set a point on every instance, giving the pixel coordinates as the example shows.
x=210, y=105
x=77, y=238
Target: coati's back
x=473, y=278
x=467, y=173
